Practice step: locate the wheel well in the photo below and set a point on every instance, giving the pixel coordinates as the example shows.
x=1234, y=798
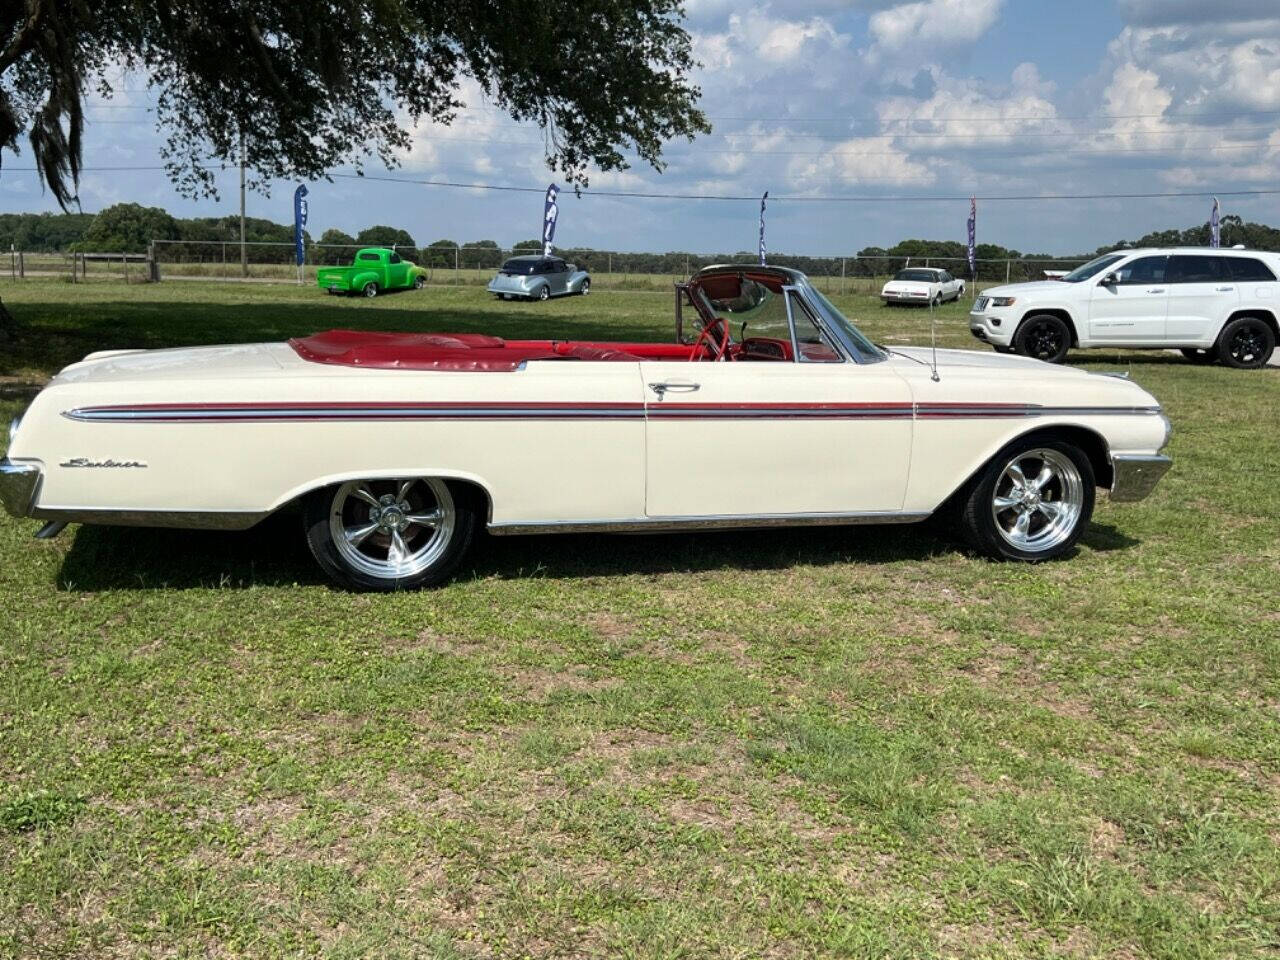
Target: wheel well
x=479, y=496
x=1089, y=442
x=1264, y=315
x=476, y=492
x=1053, y=312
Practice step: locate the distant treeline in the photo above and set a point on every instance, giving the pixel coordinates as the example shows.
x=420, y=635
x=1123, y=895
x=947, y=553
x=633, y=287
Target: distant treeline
x=130, y=227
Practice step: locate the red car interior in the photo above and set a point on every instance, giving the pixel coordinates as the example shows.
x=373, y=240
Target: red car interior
x=471, y=351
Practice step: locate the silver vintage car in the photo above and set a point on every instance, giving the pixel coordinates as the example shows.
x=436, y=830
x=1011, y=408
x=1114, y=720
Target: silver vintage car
x=538, y=278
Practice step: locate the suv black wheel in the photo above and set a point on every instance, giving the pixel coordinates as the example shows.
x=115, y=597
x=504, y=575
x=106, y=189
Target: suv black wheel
x=1246, y=343
x=1044, y=337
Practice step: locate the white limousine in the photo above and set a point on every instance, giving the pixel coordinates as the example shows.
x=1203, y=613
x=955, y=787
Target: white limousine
x=769, y=408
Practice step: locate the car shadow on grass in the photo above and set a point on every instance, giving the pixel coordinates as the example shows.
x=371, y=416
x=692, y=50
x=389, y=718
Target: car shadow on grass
x=274, y=554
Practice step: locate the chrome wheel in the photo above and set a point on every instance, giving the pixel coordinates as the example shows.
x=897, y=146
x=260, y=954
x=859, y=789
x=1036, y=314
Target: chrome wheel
x=544, y=293
x=391, y=529
x=370, y=290
x=1038, y=500
x=586, y=287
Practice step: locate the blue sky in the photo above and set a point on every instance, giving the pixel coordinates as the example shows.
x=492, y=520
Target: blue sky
x=867, y=98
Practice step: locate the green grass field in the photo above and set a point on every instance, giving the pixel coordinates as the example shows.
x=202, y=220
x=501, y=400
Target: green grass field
x=815, y=743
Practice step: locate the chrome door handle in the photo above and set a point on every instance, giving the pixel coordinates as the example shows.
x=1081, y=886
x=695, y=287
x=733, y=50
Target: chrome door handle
x=1157, y=290
x=1225, y=289
x=674, y=387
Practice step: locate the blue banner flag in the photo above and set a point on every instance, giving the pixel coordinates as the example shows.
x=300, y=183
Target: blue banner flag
x=973, y=233
x=1215, y=226
x=762, y=200
x=550, y=211
x=299, y=223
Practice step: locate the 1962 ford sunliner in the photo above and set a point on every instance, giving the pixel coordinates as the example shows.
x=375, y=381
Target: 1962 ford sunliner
x=769, y=408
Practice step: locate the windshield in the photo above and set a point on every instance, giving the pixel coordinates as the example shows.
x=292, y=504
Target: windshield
x=521, y=267
x=864, y=351
x=924, y=276
x=1092, y=267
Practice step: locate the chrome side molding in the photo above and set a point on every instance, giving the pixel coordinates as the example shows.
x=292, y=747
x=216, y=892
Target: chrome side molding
x=725, y=522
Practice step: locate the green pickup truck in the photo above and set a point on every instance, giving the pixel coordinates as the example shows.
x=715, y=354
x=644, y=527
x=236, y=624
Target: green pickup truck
x=375, y=269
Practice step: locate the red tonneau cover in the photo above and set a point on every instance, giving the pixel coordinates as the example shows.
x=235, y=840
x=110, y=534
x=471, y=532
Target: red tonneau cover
x=462, y=351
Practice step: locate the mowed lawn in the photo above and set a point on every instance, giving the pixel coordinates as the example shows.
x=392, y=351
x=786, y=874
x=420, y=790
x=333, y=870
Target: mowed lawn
x=815, y=743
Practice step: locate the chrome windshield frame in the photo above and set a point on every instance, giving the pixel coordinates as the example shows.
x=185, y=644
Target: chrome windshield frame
x=835, y=328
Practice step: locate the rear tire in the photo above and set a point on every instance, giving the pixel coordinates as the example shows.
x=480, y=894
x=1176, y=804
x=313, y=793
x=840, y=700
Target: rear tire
x=1043, y=337
x=1200, y=357
x=419, y=282
x=544, y=293
x=370, y=290
x=1246, y=343
x=389, y=534
x=586, y=288
x=1031, y=502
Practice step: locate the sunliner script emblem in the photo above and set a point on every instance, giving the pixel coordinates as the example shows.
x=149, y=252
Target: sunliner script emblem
x=101, y=464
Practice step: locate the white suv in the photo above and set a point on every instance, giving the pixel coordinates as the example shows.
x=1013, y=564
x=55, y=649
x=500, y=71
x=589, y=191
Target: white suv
x=1211, y=304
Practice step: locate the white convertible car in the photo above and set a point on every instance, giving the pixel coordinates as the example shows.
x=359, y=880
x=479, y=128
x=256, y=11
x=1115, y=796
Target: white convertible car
x=922, y=285
x=772, y=410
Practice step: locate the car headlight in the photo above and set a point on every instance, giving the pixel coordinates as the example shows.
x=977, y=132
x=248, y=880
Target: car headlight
x=1003, y=301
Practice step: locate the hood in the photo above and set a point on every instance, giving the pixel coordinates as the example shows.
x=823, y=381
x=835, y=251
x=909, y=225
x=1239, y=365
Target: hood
x=981, y=359
x=1020, y=377
x=182, y=363
x=1035, y=286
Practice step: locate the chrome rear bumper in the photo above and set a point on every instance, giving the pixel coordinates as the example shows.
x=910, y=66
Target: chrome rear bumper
x=1136, y=475
x=19, y=484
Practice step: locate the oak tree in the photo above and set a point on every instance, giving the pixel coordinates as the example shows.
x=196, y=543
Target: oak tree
x=303, y=86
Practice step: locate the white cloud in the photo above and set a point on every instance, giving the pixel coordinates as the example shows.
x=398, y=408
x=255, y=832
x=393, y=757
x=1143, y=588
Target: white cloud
x=1165, y=12
x=934, y=22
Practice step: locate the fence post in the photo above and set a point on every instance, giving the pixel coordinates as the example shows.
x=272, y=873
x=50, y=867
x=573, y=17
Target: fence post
x=1006, y=271
x=842, y=259
x=22, y=266
x=455, y=265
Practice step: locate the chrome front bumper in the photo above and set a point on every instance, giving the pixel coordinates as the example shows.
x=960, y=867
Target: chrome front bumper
x=1134, y=476
x=19, y=485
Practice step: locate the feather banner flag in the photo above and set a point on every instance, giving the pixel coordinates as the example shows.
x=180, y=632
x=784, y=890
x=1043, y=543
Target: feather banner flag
x=550, y=213
x=762, y=200
x=973, y=233
x=1215, y=226
x=300, y=212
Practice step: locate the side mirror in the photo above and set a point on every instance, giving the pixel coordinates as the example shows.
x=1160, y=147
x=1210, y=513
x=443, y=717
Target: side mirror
x=1110, y=279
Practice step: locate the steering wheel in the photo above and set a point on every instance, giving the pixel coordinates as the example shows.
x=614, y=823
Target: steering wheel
x=722, y=348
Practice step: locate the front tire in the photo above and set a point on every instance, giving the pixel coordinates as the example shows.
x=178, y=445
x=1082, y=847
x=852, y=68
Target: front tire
x=419, y=282
x=1044, y=337
x=1246, y=343
x=1031, y=502
x=389, y=534
x=370, y=290
x=544, y=293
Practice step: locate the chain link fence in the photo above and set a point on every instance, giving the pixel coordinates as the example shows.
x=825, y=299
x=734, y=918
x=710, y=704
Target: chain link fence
x=475, y=265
